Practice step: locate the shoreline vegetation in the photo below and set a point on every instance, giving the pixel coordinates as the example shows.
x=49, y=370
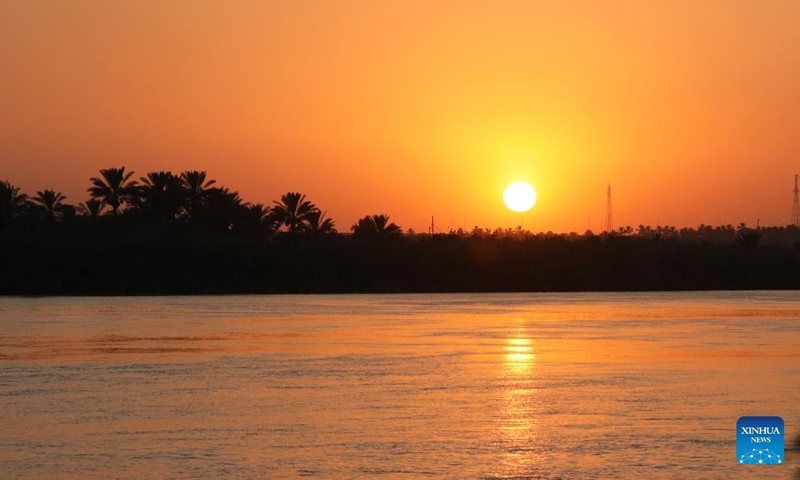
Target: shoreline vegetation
x=182, y=234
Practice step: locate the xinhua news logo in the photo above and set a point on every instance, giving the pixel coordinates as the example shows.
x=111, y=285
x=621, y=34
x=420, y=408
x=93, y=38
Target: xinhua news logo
x=759, y=440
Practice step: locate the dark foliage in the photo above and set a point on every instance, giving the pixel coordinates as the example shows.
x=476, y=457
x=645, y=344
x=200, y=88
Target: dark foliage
x=12, y=204
x=116, y=258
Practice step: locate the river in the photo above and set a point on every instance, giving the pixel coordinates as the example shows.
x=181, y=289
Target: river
x=584, y=385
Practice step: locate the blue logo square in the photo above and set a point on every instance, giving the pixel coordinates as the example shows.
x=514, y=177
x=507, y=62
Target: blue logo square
x=759, y=440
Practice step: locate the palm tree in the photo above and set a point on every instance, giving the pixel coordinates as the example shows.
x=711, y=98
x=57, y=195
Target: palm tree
x=376, y=226
x=384, y=227
x=12, y=203
x=91, y=208
x=223, y=210
x=196, y=190
x=317, y=224
x=258, y=220
x=113, y=187
x=364, y=227
x=50, y=201
x=160, y=194
x=67, y=211
x=292, y=211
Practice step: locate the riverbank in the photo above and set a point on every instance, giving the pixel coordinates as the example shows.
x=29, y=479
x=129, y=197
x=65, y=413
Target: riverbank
x=151, y=262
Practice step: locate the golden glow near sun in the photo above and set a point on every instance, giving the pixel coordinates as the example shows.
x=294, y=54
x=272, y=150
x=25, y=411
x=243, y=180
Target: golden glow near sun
x=519, y=197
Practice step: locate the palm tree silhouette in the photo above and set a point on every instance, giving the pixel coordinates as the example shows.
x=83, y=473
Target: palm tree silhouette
x=113, y=187
x=12, y=203
x=317, y=224
x=384, y=227
x=197, y=190
x=258, y=219
x=160, y=194
x=223, y=210
x=376, y=226
x=258, y=211
x=50, y=201
x=292, y=211
x=91, y=208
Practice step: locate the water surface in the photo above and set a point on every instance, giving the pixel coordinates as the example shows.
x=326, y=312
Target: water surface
x=458, y=386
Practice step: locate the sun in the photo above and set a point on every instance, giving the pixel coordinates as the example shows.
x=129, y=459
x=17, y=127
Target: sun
x=519, y=197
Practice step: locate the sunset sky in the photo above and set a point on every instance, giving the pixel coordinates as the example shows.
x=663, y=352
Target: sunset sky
x=690, y=109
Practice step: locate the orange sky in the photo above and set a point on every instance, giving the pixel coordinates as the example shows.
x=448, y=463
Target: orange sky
x=691, y=109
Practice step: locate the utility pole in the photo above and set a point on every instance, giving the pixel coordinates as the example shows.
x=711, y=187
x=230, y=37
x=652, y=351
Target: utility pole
x=609, y=212
x=796, y=205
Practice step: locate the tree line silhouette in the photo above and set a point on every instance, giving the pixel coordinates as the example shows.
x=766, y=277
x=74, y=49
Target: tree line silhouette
x=171, y=233
x=189, y=199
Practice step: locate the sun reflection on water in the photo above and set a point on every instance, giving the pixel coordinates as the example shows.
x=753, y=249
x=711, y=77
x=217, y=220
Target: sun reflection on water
x=519, y=356
x=517, y=420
